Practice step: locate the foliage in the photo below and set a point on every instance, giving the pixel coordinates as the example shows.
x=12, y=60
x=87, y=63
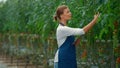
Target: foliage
x=36, y=17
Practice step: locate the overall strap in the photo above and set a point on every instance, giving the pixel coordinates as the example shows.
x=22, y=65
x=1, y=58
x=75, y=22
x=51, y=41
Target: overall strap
x=61, y=24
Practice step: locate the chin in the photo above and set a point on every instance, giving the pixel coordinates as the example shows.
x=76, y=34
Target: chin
x=69, y=19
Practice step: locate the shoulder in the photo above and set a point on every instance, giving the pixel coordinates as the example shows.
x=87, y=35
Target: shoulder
x=61, y=27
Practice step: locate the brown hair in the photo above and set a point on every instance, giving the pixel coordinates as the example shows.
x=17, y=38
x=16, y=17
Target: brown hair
x=59, y=11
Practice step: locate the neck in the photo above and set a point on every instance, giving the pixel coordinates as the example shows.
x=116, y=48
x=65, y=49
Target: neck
x=64, y=22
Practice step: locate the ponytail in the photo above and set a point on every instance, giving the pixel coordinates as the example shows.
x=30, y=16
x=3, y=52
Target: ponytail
x=55, y=18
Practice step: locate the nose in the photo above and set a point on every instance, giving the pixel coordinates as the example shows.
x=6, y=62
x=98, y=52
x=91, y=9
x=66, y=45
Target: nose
x=70, y=14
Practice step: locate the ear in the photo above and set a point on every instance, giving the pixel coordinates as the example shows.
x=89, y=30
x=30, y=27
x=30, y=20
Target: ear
x=61, y=16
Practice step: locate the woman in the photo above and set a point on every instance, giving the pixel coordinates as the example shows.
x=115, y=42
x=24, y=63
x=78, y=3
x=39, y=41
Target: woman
x=65, y=56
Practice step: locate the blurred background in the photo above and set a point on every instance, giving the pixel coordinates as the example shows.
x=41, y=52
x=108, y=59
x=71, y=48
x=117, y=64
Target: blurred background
x=28, y=39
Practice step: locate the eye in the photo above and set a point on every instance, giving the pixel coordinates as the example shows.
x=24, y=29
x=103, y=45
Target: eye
x=68, y=11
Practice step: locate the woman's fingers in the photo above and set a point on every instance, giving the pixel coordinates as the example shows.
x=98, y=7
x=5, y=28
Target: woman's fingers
x=96, y=14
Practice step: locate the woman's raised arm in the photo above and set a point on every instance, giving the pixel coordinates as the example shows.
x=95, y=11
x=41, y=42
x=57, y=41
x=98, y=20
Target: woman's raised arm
x=90, y=25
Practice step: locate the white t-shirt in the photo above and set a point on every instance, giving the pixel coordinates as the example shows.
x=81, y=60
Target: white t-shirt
x=62, y=33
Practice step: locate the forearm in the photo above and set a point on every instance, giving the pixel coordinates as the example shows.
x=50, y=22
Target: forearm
x=77, y=41
x=90, y=25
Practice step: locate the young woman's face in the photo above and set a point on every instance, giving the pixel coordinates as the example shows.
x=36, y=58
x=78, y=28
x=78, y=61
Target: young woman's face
x=66, y=14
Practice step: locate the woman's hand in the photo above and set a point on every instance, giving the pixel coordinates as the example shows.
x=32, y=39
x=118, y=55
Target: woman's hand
x=96, y=15
x=90, y=25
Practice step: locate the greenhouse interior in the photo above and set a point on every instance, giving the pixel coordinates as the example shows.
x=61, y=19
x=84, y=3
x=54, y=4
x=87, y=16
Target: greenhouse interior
x=28, y=33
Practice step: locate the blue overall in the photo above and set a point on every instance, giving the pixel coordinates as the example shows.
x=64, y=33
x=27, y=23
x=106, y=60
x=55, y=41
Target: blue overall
x=67, y=54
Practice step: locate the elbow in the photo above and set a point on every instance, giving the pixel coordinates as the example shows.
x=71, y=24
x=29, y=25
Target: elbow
x=85, y=30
